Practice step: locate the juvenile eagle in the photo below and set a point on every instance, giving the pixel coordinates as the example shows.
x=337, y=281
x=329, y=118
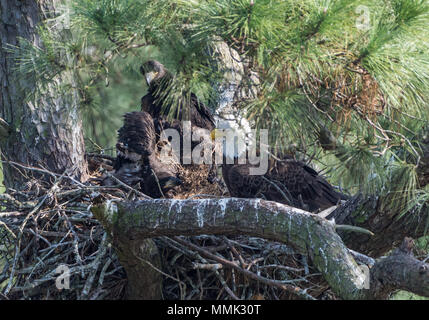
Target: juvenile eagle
x=137, y=163
x=286, y=181
x=159, y=80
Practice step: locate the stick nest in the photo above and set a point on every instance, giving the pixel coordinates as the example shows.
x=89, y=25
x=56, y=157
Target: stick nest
x=47, y=227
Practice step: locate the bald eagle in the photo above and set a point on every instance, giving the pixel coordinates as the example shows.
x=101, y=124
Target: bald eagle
x=137, y=163
x=159, y=79
x=286, y=181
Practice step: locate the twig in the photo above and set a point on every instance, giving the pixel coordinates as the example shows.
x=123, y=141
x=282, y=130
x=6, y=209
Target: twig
x=292, y=289
x=207, y=266
x=21, y=231
x=94, y=267
x=52, y=174
x=226, y=287
x=7, y=229
x=362, y=258
x=157, y=183
x=141, y=194
x=353, y=228
x=279, y=190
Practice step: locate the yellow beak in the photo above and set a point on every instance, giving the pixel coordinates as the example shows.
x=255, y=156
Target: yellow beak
x=150, y=76
x=215, y=134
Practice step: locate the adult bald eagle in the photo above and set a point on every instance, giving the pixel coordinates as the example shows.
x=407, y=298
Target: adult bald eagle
x=137, y=163
x=159, y=79
x=286, y=181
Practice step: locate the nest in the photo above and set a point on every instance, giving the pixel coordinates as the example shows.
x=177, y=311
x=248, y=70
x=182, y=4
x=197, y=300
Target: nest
x=46, y=230
x=264, y=270
x=47, y=227
x=196, y=184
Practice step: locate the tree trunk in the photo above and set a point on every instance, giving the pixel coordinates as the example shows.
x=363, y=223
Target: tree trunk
x=44, y=133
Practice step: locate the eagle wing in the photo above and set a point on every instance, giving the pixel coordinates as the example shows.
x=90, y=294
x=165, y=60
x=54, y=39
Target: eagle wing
x=305, y=186
x=287, y=181
x=136, y=138
x=240, y=183
x=148, y=105
x=137, y=163
x=201, y=116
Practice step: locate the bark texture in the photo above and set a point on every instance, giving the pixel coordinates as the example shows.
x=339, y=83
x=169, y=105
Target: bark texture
x=388, y=225
x=142, y=263
x=46, y=132
x=400, y=270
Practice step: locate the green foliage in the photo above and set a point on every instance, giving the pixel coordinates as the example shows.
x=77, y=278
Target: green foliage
x=397, y=55
x=38, y=64
x=404, y=295
x=117, y=19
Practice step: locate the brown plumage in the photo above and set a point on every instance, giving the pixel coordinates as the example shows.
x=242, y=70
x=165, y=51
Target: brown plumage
x=136, y=138
x=159, y=79
x=287, y=181
x=137, y=163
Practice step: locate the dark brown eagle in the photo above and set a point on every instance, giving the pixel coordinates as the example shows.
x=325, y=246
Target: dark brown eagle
x=287, y=181
x=137, y=163
x=159, y=81
x=156, y=102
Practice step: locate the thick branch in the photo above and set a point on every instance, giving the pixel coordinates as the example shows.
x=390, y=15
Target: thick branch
x=400, y=270
x=307, y=233
x=389, y=225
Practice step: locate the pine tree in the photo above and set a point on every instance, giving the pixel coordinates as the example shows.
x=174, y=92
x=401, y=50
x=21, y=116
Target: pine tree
x=39, y=106
x=345, y=82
